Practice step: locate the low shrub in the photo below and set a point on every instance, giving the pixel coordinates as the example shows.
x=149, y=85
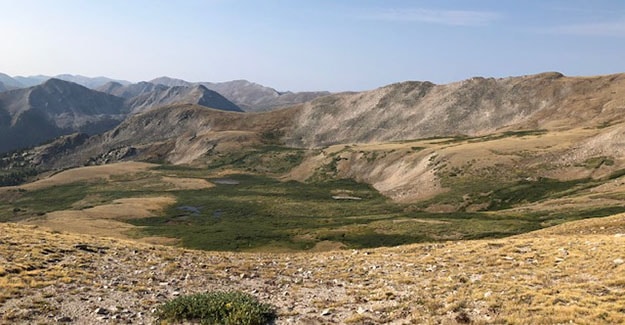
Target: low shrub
x=233, y=307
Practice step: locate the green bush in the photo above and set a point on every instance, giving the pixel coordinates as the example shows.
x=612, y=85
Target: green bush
x=225, y=308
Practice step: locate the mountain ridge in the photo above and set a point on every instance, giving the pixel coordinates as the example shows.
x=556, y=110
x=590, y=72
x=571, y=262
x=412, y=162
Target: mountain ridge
x=471, y=107
x=250, y=96
x=474, y=107
x=247, y=95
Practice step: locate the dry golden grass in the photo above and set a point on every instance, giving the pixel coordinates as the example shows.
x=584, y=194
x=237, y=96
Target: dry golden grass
x=104, y=220
x=186, y=183
x=80, y=223
x=569, y=273
x=89, y=173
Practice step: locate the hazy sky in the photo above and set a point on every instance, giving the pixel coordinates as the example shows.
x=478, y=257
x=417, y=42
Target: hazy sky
x=311, y=44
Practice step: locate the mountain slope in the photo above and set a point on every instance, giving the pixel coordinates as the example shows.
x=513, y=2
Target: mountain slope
x=33, y=115
x=477, y=106
x=161, y=96
x=177, y=134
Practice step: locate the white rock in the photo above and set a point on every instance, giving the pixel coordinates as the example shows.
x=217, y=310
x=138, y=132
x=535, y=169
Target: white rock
x=101, y=311
x=618, y=261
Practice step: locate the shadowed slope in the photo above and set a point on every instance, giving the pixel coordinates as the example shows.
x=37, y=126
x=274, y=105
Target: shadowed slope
x=33, y=115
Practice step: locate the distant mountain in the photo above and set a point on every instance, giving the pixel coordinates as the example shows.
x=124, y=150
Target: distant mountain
x=251, y=97
x=131, y=90
x=161, y=95
x=3, y=87
x=171, y=82
x=254, y=97
x=248, y=96
x=397, y=112
x=89, y=82
x=25, y=82
x=143, y=96
x=9, y=82
x=31, y=80
x=30, y=116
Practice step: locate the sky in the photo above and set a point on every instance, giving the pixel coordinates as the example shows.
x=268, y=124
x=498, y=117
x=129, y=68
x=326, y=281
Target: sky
x=298, y=45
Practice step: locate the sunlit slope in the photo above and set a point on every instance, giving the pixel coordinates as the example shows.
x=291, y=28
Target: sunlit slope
x=571, y=272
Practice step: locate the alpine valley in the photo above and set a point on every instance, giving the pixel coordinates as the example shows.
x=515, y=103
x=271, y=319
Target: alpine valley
x=480, y=201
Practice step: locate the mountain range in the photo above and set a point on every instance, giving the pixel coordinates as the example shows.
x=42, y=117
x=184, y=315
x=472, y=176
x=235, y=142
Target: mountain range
x=29, y=116
x=586, y=111
x=25, y=82
x=366, y=135
x=249, y=96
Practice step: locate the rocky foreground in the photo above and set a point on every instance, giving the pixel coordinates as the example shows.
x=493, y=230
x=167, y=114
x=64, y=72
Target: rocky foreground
x=569, y=273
